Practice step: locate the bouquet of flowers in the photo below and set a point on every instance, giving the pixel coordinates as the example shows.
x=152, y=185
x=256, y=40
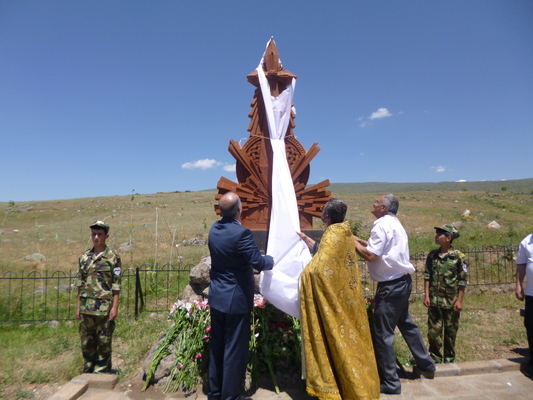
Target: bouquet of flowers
x=275, y=344
x=189, y=334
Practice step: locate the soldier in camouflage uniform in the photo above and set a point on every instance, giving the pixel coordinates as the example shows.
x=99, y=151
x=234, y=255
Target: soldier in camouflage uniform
x=444, y=287
x=98, y=283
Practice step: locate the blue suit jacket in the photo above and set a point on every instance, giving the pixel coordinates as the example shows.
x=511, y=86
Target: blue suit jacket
x=234, y=255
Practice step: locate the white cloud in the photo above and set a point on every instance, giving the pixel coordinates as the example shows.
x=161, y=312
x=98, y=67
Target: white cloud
x=461, y=180
x=380, y=113
x=230, y=167
x=440, y=168
x=206, y=163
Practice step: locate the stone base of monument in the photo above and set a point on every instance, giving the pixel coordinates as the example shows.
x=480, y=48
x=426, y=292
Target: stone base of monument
x=198, y=287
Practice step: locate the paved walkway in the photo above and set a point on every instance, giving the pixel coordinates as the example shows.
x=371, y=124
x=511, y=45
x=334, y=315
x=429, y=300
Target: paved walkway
x=496, y=379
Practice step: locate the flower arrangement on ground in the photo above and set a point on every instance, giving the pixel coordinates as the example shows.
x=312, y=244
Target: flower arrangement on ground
x=275, y=344
x=189, y=333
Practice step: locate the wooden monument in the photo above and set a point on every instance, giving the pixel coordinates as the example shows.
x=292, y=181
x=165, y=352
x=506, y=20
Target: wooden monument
x=254, y=158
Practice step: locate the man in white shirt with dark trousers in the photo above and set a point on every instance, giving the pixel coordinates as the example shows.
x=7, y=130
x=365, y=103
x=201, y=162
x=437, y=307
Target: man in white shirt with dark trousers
x=387, y=254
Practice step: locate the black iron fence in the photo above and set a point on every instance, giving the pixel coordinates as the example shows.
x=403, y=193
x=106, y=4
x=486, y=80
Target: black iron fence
x=487, y=266
x=45, y=296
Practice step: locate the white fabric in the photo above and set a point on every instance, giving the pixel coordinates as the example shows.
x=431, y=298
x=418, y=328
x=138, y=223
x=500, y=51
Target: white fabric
x=388, y=240
x=290, y=253
x=525, y=256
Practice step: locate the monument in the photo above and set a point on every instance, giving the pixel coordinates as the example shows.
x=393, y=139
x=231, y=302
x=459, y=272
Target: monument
x=254, y=158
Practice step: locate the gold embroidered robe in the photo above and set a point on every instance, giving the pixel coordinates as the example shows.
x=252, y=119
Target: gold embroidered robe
x=338, y=352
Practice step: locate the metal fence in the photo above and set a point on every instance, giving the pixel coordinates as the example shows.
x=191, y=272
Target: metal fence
x=487, y=266
x=45, y=296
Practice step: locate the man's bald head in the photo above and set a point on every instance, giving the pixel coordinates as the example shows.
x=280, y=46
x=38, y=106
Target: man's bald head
x=230, y=205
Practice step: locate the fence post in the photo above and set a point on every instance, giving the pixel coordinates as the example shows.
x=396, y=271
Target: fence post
x=138, y=294
x=137, y=285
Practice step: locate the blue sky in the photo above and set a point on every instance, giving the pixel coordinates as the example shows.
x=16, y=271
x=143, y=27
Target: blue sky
x=100, y=98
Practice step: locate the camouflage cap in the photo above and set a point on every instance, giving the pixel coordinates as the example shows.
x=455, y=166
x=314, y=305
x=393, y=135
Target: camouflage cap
x=450, y=229
x=102, y=225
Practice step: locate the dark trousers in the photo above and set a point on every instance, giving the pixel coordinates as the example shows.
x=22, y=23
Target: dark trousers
x=528, y=323
x=391, y=310
x=228, y=356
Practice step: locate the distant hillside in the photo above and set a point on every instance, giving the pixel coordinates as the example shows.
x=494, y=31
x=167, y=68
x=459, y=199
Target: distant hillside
x=523, y=186
x=512, y=186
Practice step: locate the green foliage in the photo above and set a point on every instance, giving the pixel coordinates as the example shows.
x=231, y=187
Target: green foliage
x=275, y=342
x=189, y=334
x=356, y=227
x=39, y=354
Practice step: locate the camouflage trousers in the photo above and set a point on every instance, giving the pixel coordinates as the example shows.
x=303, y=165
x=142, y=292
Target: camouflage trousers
x=96, y=332
x=442, y=330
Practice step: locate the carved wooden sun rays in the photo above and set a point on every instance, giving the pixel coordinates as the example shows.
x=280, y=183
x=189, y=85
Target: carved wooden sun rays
x=254, y=158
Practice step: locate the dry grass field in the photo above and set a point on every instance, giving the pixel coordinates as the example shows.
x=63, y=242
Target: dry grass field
x=161, y=226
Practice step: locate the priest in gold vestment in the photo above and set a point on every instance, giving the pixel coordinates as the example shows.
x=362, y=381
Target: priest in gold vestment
x=339, y=357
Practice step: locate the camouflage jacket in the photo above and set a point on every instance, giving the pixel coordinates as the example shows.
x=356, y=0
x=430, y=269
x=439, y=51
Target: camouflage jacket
x=97, y=278
x=445, y=275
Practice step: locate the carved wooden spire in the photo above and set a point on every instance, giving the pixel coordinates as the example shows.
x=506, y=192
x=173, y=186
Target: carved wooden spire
x=254, y=159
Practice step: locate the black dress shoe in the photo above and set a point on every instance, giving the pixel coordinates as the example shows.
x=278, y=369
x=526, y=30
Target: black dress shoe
x=385, y=390
x=528, y=372
x=418, y=372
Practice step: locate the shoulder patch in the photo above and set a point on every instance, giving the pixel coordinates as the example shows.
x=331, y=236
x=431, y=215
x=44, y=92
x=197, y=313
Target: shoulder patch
x=465, y=267
x=117, y=271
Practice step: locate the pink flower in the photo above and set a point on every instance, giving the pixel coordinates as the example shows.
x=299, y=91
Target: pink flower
x=206, y=337
x=201, y=305
x=259, y=301
x=199, y=355
x=208, y=329
x=180, y=366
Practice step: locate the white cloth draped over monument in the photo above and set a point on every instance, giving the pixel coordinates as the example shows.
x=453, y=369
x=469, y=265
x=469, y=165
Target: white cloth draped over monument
x=290, y=253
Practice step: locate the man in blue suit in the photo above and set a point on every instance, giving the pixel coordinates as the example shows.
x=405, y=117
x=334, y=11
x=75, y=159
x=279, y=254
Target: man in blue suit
x=234, y=256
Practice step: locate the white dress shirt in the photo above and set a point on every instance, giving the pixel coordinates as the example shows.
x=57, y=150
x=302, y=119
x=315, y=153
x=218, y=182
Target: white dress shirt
x=388, y=240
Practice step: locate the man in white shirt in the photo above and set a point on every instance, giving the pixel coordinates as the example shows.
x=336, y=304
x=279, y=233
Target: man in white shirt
x=387, y=254
x=524, y=268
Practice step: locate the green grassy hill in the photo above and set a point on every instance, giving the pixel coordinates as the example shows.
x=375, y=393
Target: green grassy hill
x=162, y=225
x=511, y=186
